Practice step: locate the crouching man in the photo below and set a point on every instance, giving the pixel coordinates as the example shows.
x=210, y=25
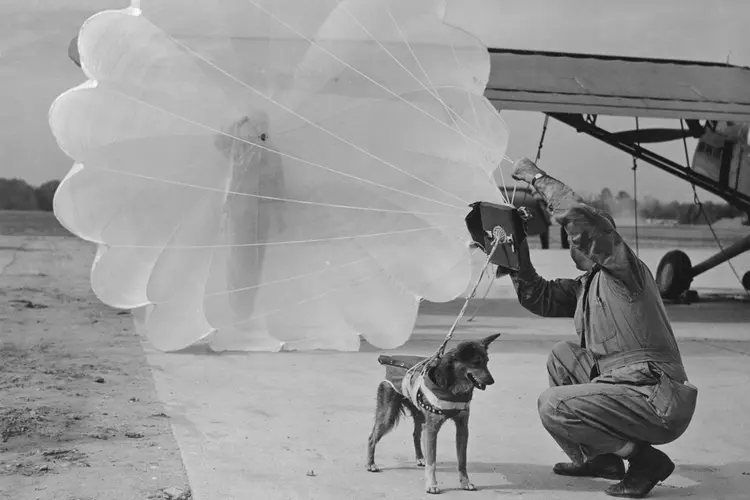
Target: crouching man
x=622, y=387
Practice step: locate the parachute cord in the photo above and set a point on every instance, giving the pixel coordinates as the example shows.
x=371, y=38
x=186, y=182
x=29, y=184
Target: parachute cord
x=484, y=297
x=699, y=204
x=441, y=350
x=635, y=195
x=538, y=153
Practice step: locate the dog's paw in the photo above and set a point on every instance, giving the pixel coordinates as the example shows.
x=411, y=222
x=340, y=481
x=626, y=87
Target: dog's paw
x=373, y=468
x=466, y=485
x=420, y=462
x=433, y=489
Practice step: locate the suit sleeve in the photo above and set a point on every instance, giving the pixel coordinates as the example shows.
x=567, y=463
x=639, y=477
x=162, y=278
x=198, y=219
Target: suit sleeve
x=593, y=234
x=548, y=298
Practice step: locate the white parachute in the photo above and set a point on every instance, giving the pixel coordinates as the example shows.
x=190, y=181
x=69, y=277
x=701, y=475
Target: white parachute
x=277, y=174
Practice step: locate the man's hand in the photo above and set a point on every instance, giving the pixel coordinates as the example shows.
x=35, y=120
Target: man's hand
x=524, y=257
x=525, y=170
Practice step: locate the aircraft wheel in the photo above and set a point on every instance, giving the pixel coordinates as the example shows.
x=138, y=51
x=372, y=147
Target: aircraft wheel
x=746, y=280
x=673, y=276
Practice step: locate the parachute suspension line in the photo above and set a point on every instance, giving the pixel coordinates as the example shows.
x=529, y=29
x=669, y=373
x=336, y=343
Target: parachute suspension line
x=699, y=204
x=484, y=297
x=499, y=236
x=536, y=160
x=513, y=199
x=538, y=151
x=635, y=194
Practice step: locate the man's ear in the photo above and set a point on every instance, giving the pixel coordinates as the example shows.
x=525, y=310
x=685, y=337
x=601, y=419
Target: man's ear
x=488, y=340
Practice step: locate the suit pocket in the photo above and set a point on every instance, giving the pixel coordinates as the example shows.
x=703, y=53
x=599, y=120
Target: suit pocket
x=603, y=333
x=674, y=403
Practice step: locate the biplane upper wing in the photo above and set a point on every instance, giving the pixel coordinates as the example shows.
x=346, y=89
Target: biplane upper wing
x=618, y=86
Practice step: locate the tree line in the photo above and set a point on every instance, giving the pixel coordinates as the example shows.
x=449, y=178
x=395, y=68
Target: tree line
x=622, y=205
x=17, y=194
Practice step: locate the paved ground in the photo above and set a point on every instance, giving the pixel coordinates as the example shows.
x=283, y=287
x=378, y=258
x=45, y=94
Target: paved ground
x=294, y=425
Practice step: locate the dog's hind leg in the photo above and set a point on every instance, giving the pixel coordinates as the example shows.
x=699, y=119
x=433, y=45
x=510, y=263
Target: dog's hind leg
x=419, y=421
x=387, y=411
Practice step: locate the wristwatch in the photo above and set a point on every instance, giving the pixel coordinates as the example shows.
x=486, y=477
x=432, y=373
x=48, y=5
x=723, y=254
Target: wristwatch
x=536, y=178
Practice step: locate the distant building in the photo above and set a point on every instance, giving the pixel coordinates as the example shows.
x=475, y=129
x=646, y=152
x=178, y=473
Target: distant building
x=663, y=222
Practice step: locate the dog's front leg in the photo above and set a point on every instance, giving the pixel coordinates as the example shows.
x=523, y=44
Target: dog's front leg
x=462, y=443
x=432, y=426
x=417, y=437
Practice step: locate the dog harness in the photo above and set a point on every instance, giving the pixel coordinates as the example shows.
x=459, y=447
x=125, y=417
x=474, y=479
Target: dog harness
x=408, y=376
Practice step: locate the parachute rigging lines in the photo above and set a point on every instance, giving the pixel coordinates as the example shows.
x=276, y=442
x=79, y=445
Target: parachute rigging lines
x=278, y=174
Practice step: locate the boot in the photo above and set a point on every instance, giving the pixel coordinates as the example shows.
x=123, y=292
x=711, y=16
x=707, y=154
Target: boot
x=606, y=466
x=648, y=466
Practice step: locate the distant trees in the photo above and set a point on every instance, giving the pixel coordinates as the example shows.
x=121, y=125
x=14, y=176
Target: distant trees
x=17, y=194
x=45, y=194
x=650, y=208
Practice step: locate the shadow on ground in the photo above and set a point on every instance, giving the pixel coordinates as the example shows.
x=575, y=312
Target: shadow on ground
x=728, y=481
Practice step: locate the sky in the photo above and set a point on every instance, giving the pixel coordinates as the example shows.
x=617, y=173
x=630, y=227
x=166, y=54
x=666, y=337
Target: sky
x=34, y=69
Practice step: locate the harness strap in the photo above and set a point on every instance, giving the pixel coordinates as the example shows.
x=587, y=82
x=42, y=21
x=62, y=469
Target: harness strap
x=440, y=403
x=414, y=389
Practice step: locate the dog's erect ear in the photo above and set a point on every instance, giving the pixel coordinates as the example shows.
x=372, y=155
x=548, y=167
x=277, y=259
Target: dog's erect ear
x=488, y=340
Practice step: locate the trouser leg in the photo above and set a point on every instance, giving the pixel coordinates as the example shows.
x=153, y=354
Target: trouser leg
x=569, y=364
x=594, y=419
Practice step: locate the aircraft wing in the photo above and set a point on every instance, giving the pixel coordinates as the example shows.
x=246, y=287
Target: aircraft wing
x=618, y=86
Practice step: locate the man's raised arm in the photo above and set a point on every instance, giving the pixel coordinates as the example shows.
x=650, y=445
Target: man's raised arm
x=591, y=232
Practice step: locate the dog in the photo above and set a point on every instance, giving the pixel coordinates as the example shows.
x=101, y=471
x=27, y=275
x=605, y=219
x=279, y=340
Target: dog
x=432, y=392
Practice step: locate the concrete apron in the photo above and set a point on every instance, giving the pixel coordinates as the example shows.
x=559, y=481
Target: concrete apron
x=295, y=425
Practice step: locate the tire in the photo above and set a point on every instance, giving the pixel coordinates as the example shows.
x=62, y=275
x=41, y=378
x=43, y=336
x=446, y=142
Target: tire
x=746, y=281
x=674, y=274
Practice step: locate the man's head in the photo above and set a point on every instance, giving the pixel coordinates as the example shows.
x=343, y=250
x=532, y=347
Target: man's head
x=464, y=368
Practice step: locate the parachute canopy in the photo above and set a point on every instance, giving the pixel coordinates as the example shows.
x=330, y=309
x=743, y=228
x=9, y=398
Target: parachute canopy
x=277, y=174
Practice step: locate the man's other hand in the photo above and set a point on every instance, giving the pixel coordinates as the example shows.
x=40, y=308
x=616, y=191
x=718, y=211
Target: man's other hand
x=525, y=170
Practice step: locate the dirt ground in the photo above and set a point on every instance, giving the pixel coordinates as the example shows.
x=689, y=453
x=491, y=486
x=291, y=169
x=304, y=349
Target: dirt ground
x=79, y=415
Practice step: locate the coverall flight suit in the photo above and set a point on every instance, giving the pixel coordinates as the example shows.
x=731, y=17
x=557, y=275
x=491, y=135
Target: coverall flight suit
x=623, y=382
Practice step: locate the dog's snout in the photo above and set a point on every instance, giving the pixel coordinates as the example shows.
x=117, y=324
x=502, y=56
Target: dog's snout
x=490, y=380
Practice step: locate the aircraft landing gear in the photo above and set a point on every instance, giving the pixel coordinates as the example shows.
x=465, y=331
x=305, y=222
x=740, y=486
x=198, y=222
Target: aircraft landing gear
x=675, y=272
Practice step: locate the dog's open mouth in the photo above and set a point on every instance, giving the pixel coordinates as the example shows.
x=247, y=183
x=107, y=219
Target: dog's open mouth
x=479, y=385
